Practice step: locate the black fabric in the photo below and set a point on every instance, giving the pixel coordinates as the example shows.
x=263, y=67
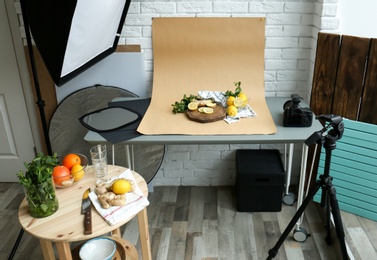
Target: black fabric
x=128, y=132
x=82, y=121
x=50, y=24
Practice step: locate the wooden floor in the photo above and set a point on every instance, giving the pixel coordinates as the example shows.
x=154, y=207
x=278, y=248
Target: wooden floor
x=202, y=223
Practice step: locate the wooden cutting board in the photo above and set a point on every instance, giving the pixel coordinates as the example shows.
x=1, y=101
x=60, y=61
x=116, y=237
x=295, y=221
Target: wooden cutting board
x=219, y=113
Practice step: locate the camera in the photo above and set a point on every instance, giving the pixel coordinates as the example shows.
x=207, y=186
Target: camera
x=295, y=115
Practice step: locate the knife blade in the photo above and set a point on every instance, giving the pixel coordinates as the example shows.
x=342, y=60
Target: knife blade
x=87, y=211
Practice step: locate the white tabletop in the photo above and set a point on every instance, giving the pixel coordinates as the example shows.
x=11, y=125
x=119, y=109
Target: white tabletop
x=283, y=134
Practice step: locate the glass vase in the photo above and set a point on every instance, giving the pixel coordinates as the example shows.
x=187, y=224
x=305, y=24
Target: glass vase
x=42, y=199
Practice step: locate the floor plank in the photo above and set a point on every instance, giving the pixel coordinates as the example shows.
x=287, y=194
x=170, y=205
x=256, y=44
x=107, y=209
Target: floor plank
x=202, y=223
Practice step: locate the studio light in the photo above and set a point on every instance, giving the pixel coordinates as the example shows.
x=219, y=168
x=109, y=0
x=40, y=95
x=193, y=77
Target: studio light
x=72, y=35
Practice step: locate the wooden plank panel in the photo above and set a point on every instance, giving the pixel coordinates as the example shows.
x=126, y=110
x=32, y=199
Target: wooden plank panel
x=362, y=141
x=368, y=105
x=362, y=127
x=348, y=193
x=349, y=81
x=325, y=70
x=324, y=76
x=351, y=208
x=353, y=172
x=354, y=168
x=358, y=155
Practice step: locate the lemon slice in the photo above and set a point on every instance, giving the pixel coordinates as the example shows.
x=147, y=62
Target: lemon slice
x=201, y=109
x=211, y=104
x=193, y=105
x=208, y=110
x=238, y=102
x=244, y=98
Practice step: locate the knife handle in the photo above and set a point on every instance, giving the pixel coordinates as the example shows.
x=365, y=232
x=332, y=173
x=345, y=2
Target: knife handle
x=88, y=222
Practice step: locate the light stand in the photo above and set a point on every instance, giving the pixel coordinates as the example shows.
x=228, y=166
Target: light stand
x=328, y=136
x=40, y=102
x=51, y=23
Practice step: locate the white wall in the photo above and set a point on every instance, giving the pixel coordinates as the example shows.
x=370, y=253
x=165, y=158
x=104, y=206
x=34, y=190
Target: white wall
x=291, y=28
x=358, y=18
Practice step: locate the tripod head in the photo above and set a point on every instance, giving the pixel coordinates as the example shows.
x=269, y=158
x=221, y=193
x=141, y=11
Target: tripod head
x=332, y=131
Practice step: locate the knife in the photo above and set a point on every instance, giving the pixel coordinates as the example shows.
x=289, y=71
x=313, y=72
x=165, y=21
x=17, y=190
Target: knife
x=86, y=209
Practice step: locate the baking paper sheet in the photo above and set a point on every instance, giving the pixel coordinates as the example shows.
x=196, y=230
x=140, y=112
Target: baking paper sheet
x=198, y=54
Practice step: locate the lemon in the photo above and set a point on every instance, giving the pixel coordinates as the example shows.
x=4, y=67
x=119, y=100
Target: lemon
x=229, y=101
x=77, y=172
x=232, y=110
x=244, y=98
x=193, y=105
x=201, y=109
x=122, y=186
x=238, y=102
x=208, y=110
x=211, y=104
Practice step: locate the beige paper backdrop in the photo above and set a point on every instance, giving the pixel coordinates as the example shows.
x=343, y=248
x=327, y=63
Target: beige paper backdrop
x=193, y=54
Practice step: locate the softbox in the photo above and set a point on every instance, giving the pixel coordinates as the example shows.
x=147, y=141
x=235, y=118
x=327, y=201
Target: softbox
x=72, y=35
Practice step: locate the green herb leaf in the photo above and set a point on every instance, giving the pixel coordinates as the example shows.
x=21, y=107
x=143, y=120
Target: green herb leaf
x=182, y=106
x=237, y=91
x=39, y=170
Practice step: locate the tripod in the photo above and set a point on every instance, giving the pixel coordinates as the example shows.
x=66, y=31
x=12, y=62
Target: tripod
x=328, y=136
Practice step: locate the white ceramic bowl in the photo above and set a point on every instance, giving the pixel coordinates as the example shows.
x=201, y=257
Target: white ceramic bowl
x=100, y=248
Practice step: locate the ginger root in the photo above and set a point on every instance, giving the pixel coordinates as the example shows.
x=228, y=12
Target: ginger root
x=107, y=197
x=100, y=189
x=111, y=199
x=119, y=200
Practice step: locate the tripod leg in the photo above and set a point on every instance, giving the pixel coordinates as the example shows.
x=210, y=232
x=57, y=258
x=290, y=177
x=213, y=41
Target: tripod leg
x=16, y=244
x=325, y=203
x=273, y=251
x=338, y=221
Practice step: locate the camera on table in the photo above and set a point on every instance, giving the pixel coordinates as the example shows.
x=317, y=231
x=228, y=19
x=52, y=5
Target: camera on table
x=295, y=115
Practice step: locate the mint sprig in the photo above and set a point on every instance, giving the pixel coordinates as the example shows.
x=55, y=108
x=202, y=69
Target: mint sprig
x=236, y=92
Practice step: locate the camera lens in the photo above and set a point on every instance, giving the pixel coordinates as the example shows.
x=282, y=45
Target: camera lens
x=287, y=104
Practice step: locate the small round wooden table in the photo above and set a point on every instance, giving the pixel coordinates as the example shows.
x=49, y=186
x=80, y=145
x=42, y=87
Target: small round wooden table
x=67, y=223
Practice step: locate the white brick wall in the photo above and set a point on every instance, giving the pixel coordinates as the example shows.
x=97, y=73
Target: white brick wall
x=291, y=29
x=291, y=33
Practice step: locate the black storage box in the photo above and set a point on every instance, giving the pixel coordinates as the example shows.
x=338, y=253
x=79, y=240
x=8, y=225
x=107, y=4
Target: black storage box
x=260, y=179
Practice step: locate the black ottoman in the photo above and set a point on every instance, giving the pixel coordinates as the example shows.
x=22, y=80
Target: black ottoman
x=260, y=179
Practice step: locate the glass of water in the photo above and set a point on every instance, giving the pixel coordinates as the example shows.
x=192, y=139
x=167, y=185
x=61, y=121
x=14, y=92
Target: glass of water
x=98, y=154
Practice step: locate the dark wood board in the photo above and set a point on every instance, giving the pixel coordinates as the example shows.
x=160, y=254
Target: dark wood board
x=344, y=79
x=368, y=104
x=325, y=71
x=350, y=78
x=219, y=113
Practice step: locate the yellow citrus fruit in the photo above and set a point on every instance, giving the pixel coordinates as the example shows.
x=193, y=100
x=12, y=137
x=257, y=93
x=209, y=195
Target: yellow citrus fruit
x=121, y=186
x=229, y=101
x=244, y=98
x=210, y=104
x=201, y=109
x=208, y=110
x=238, y=102
x=232, y=110
x=193, y=105
x=77, y=172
